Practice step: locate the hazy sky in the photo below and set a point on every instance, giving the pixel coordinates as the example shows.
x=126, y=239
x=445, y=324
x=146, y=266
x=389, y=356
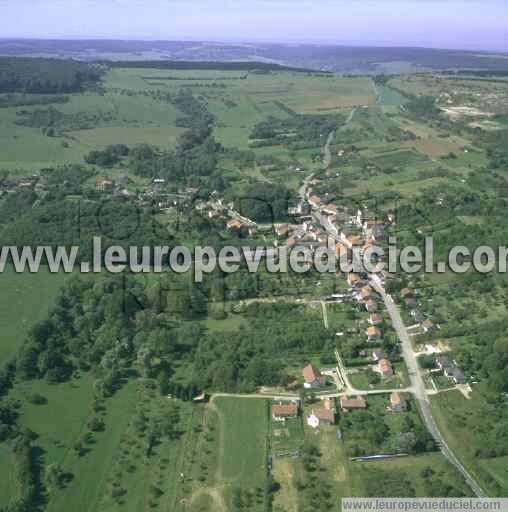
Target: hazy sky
x=481, y=24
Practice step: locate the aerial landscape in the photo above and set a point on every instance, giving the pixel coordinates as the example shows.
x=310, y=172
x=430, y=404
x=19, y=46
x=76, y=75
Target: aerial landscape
x=179, y=384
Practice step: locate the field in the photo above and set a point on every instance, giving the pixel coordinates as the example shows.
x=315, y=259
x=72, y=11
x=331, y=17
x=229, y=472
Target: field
x=26, y=299
x=451, y=410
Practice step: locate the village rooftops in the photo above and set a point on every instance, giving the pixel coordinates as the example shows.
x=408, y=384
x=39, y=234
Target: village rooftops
x=385, y=367
x=397, y=403
x=373, y=332
x=327, y=415
x=352, y=403
x=284, y=410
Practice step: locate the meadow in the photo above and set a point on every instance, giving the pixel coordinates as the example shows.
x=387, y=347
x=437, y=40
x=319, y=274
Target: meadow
x=26, y=299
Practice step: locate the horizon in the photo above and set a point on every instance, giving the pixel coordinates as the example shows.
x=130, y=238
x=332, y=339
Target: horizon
x=365, y=23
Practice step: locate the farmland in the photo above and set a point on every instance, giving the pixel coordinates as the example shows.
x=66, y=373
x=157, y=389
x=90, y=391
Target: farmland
x=107, y=391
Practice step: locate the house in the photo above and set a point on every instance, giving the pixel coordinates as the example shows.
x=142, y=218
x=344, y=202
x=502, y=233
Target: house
x=283, y=412
x=457, y=375
x=370, y=306
x=350, y=404
x=239, y=227
x=314, y=201
x=282, y=229
x=427, y=325
x=385, y=368
x=329, y=209
x=443, y=362
x=319, y=417
x=374, y=229
x=397, y=402
x=234, y=225
x=105, y=185
x=366, y=293
x=353, y=279
x=375, y=319
x=312, y=377
x=377, y=355
x=417, y=315
x=373, y=334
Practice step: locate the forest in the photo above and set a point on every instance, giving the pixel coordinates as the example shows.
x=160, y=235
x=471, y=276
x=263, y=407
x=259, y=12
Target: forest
x=46, y=76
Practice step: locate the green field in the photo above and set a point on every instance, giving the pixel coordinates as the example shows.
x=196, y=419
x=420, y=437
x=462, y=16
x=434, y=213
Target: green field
x=26, y=299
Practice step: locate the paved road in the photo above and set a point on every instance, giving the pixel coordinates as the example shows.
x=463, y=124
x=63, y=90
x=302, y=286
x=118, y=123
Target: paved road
x=418, y=385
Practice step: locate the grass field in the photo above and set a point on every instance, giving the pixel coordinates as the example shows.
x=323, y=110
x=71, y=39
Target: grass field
x=26, y=299
x=450, y=410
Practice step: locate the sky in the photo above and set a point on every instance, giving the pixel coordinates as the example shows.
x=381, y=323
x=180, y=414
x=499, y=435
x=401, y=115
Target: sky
x=467, y=24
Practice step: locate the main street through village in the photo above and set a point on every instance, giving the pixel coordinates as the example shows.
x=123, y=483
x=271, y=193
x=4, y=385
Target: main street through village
x=417, y=387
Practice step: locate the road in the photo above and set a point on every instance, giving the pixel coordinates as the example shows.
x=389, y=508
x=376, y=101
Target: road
x=327, y=158
x=418, y=385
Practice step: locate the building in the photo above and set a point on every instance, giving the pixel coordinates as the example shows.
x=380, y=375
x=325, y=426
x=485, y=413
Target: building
x=370, y=306
x=366, y=293
x=427, y=325
x=373, y=334
x=375, y=319
x=321, y=417
x=384, y=367
x=314, y=201
x=377, y=355
x=282, y=230
x=283, y=412
x=105, y=185
x=397, y=402
x=353, y=280
x=312, y=377
x=350, y=404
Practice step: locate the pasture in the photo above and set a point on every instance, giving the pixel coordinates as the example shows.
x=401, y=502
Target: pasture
x=26, y=299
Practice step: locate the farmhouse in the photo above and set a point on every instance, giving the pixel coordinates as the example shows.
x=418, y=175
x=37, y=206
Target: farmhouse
x=375, y=319
x=312, y=377
x=385, y=368
x=349, y=404
x=319, y=417
x=283, y=412
x=373, y=334
x=397, y=402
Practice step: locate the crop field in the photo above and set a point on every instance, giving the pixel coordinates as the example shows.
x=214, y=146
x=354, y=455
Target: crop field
x=26, y=299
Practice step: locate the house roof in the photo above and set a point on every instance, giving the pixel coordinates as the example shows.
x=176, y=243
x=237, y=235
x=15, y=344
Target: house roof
x=234, y=224
x=396, y=399
x=385, y=366
x=428, y=324
x=376, y=318
x=284, y=410
x=324, y=414
x=353, y=403
x=373, y=331
x=310, y=374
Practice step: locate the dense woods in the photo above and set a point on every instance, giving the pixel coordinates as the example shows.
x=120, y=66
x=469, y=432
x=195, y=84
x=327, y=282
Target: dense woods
x=45, y=76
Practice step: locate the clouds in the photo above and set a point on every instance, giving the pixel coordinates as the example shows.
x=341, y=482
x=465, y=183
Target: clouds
x=447, y=23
